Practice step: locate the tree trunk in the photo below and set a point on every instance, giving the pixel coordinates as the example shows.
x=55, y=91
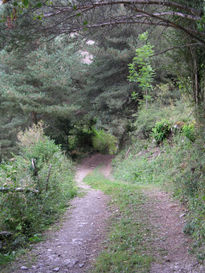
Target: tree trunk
x=34, y=117
x=195, y=78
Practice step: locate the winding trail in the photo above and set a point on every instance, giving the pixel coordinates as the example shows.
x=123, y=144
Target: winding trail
x=75, y=245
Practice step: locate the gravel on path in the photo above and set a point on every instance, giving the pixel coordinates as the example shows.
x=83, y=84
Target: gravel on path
x=74, y=246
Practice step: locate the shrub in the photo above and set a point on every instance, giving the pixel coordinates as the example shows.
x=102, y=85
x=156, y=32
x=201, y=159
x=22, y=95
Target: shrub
x=188, y=130
x=161, y=130
x=31, y=136
x=104, y=142
x=147, y=117
x=45, y=176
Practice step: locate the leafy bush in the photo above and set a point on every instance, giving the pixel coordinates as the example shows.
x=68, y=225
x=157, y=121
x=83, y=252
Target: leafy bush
x=188, y=130
x=161, y=130
x=146, y=118
x=45, y=176
x=104, y=142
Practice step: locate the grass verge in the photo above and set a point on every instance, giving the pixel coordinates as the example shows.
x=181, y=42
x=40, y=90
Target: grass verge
x=128, y=248
x=177, y=166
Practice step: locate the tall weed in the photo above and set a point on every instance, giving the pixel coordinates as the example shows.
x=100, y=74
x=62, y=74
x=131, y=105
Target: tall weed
x=45, y=176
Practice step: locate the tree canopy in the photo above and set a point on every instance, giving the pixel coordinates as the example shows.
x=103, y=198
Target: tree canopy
x=42, y=85
x=61, y=16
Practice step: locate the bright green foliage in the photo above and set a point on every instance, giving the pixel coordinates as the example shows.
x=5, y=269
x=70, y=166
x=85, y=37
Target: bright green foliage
x=140, y=70
x=104, y=142
x=161, y=130
x=189, y=131
x=27, y=213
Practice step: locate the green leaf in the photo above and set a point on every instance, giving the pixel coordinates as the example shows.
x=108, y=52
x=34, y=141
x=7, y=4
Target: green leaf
x=25, y=3
x=38, y=5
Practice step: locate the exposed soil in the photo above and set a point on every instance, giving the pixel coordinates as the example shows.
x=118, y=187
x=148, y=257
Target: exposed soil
x=75, y=245
x=172, y=246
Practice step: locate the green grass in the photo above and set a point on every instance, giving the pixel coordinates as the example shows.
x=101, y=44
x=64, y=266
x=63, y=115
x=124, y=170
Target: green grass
x=6, y=258
x=176, y=166
x=128, y=248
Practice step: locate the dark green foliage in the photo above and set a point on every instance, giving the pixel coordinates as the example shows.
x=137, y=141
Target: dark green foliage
x=41, y=82
x=19, y=27
x=188, y=61
x=12, y=118
x=40, y=85
x=80, y=137
x=4, y=259
x=107, y=91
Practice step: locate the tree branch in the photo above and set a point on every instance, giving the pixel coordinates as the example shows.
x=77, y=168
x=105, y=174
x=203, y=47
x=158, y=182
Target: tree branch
x=170, y=4
x=5, y=190
x=174, y=47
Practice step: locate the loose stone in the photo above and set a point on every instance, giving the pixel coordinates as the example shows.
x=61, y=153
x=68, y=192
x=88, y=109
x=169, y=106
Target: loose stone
x=24, y=268
x=81, y=265
x=56, y=269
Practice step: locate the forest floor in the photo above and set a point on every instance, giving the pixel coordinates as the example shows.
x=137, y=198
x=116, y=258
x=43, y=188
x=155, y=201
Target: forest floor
x=74, y=246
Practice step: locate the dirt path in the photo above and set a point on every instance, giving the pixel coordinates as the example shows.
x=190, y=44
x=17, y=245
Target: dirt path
x=171, y=244
x=76, y=244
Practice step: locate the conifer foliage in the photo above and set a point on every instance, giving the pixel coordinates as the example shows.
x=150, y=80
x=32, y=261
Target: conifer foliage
x=38, y=86
x=107, y=89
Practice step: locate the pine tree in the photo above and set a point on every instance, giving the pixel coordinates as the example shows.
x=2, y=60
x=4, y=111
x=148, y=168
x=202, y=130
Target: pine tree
x=12, y=118
x=40, y=85
x=108, y=92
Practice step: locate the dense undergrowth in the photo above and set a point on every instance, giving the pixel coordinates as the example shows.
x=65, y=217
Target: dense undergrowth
x=169, y=152
x=39, y=182
x=128, y=247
